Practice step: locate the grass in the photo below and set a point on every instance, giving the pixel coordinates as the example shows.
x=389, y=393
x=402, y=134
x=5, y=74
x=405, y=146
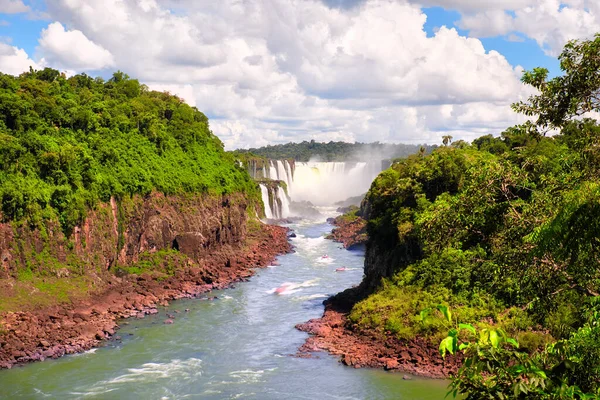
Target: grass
x=37, y=292
x=160, y=264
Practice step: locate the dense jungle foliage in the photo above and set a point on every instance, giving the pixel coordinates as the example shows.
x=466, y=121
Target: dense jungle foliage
x=68, y=143
x=337, y=151
x=506, y=233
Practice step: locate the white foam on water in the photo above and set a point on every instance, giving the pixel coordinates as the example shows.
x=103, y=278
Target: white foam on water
x=249, y=375
x=287, y=288
x=39, y=392
x=186, y=370
x=325, y=260
x=85, y=353
x=94, y=392
x=309, y=244
x=312, y=297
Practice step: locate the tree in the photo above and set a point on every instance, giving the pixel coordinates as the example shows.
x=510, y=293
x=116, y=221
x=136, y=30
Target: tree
x=446, y=140
x=571, y=95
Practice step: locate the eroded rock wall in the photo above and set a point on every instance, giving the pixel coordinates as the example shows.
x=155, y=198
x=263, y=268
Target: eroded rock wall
x=118, y=232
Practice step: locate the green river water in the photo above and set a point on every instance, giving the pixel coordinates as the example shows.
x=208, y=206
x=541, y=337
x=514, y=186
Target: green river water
x=236, y=347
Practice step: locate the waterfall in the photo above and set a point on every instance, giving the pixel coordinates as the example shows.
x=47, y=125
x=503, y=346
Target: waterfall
x=265, y=198
x=321, y=183
x=272, y=170
x=324, y=183
x=283, y=175
x=285, y=203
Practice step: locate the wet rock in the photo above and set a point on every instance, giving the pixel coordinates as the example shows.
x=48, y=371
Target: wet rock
x=168, y=321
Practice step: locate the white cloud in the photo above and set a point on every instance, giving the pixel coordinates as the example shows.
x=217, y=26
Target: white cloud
x=551, y=23
x=276, y=71
x=14, y=61
x=13, y=7
x=72, y=49
x=475, y=5
x=185, y=92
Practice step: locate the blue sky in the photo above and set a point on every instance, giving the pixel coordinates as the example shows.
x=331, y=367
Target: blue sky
x=527, y=53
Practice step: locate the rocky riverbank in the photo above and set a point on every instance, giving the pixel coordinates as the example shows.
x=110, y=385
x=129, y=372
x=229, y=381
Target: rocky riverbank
x=350, y=230
x=225, y=248
x=333, y=333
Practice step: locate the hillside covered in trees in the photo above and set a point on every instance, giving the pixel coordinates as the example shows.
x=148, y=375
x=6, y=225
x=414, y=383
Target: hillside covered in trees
x=493, y=249
x=67, y=144
x=337, y=151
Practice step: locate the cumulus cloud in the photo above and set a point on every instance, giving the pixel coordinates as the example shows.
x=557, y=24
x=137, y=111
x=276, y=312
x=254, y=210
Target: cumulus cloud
x=551, y=23
x=275, y=71
x=72, y=49
x=13, y=7
x=14, y=61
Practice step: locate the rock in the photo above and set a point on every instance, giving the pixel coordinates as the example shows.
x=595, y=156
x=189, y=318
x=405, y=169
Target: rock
x=391, y=364
x=168, y=321
x=18, y=354
x=407, y=378
x=44, y=343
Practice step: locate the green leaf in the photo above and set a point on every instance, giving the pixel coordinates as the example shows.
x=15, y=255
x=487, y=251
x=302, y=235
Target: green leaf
x=445, y=310
x=447, y=345
x=513, y=342
x=468, y=327
x=494, y=338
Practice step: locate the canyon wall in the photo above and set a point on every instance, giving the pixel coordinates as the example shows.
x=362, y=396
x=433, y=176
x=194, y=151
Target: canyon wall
x=117, y=233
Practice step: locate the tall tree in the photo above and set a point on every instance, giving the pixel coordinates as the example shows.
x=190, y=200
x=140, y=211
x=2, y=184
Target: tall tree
x=568, y=96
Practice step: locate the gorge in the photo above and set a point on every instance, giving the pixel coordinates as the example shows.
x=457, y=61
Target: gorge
x=133, y=243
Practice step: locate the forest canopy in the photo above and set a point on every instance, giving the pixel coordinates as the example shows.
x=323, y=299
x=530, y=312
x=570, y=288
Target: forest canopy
x=337, y=151
x=68, y=143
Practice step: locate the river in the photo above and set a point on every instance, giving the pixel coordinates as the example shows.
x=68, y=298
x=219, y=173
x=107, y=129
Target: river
x=237, y=346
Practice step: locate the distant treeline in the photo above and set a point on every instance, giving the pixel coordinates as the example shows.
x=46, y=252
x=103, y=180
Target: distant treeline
x=338, y=151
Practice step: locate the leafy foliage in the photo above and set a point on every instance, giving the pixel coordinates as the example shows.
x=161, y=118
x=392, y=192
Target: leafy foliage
x=66, y=144
x=570, y=95
x=505, y=232
x=496, y=366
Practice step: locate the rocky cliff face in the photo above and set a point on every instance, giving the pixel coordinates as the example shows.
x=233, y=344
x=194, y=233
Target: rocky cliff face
x=118, y=232
x=384, y=258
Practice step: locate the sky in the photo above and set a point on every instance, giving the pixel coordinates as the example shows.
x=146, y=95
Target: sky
x=275, y=71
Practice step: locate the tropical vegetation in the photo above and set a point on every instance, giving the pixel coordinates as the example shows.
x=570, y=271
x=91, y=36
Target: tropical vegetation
x=68, y=143
x=505, y=232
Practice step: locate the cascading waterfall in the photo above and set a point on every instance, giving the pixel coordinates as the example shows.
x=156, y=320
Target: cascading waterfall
x=321, y=183
x=285, y=203
x=325, y=183
x=283, y=175
x=273, y=170
x=265, y=198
